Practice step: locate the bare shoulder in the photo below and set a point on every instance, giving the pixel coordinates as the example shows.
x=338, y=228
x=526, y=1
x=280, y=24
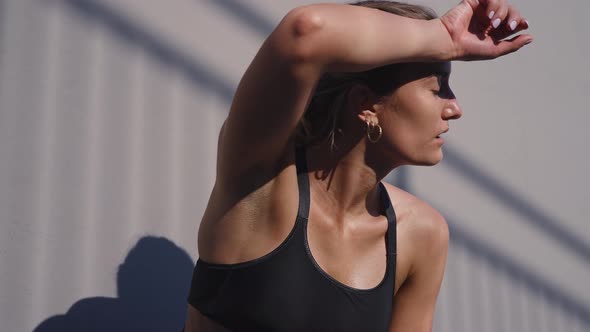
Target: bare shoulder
x=422, y=229
x=414, y=210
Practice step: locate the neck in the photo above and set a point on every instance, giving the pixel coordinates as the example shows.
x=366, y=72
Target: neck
x=345, y=181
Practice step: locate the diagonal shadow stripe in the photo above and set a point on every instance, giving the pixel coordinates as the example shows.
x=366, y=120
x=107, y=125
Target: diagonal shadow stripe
x=254, y=20
x=530, y=213
x=515, y=270
x=132, y=33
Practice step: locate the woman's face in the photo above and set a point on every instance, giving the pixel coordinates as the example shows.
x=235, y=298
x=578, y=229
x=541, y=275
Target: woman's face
x=418, y=112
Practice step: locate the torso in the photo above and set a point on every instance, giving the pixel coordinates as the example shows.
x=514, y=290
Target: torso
x=354, y=256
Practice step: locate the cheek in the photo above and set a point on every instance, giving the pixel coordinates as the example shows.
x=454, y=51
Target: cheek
x=413, y=118
x=412, y=126
x=413, y=137
x=403, y=138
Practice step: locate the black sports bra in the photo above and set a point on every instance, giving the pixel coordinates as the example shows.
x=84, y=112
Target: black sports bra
x=286, y=290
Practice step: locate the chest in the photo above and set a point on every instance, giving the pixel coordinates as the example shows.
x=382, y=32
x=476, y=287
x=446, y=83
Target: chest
x=354, y=255
x=288, y=291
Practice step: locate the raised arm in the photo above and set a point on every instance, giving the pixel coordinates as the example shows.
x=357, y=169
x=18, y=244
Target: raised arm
x=354, y=38
x=314, y=39
x=310, y=40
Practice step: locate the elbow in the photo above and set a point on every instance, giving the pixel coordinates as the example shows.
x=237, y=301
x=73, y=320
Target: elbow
x=305, y=21
x=298, y=31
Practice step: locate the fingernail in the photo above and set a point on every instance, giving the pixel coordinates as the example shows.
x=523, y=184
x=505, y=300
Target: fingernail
x=527, y=22
x=496, y=23
x=528, y=42
x=513, y=25
x=491, y=14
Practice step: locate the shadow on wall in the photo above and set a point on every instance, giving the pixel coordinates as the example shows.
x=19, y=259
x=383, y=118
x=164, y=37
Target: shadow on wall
x=152, y=287
x=130, y=32
x=199, y=73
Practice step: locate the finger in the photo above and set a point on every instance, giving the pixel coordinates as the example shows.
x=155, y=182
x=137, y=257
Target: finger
x=522, y=25
x=472, y=3
x=513, y=44
x=500, y=15
x=512, y=19
x=508, y=26
x=483, y=10
x=492, y=7
x=506, y=30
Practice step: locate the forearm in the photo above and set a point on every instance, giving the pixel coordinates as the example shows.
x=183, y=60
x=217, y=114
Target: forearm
x=340, y=37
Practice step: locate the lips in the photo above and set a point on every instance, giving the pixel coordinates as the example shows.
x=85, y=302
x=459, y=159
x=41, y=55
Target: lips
x=442, y=133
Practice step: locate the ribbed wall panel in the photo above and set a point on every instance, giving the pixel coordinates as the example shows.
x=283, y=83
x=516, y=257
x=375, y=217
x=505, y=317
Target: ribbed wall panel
x=108, y=133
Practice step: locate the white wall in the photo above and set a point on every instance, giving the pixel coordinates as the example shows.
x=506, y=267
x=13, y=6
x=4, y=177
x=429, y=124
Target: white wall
x=109, y=112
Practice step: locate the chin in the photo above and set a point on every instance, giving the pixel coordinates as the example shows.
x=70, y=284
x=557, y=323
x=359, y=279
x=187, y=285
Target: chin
x=429, y=160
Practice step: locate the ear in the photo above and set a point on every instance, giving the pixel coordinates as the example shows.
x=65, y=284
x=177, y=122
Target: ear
x=363, y=102
x=367, y=115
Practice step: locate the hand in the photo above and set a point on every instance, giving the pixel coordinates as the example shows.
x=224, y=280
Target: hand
x=478, y=29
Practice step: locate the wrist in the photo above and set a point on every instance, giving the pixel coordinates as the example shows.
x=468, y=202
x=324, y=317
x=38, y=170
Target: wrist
x=439, y=42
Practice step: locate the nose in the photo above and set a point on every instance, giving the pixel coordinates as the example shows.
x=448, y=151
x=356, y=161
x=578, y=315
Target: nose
x=452, y=111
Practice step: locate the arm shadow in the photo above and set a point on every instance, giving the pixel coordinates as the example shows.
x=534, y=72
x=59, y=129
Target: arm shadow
x=152, y=286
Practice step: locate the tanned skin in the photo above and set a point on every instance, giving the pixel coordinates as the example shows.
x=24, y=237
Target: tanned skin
x=245, y=219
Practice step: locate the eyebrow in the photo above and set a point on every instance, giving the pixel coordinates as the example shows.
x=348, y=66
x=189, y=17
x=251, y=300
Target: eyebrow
x=439, y=76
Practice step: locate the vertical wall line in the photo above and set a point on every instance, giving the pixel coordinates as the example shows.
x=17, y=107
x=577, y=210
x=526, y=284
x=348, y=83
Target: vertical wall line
x=3, y=29
x=544, y=313
x=44, y=202
x=456, y=319
x=442, y=312
x=137, y=71
x=176, y=156
x=526, y=295
x=11, y=31
x=484, y=281
x=559, y=317
x=516, y=315
x=93, y=158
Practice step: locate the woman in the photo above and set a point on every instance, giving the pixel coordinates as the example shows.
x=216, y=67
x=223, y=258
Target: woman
x=300, y=233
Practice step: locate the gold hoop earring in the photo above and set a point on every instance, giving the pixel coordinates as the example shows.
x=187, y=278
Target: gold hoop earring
x=371, y=129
